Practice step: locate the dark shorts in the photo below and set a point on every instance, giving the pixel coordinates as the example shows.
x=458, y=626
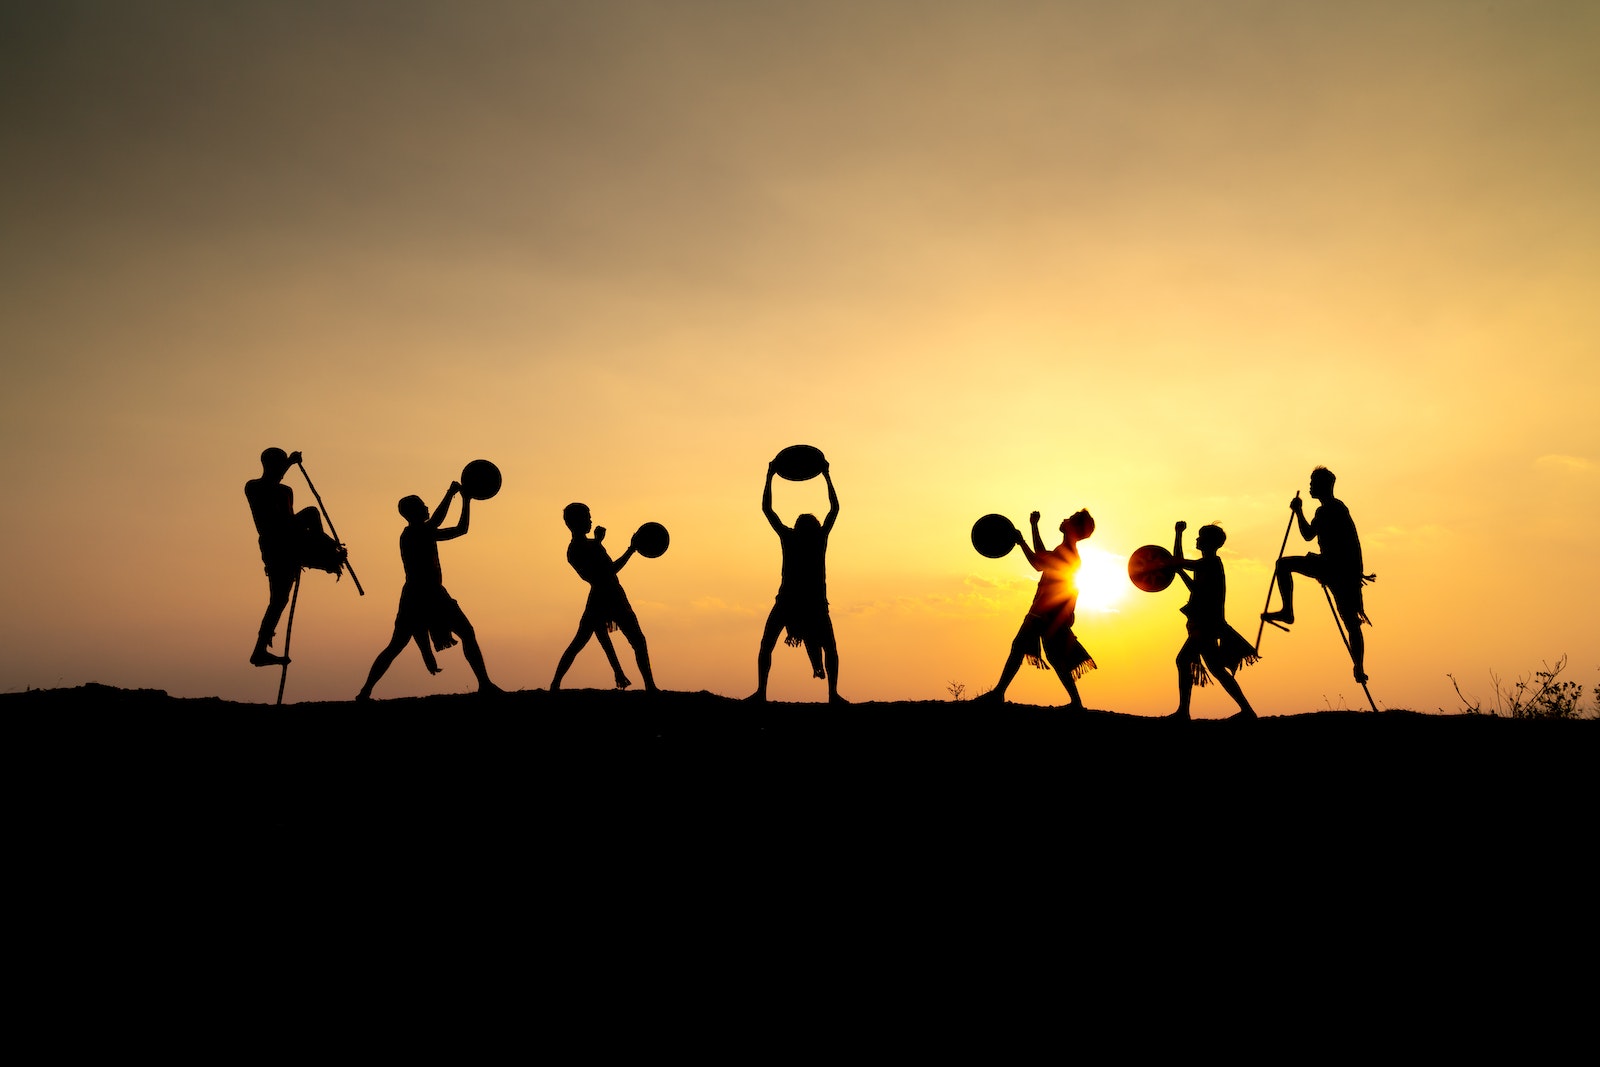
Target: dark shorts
x=429, y=610
x=807, y=620
x=609, y=611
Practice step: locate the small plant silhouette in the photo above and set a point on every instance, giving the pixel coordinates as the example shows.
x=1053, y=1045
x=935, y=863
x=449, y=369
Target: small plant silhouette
x=956, y=690
x=1539, y=695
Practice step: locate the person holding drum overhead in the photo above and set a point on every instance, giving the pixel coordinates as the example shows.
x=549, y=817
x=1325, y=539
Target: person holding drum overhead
x=801, y=606
x=1046, y=632
x=607, y=607
x=426, y=607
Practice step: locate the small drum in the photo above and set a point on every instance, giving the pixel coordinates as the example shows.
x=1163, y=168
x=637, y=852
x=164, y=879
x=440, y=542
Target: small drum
x=480, y=479
x=651, y=540
x=799, y=463
x=994, y=536
x=1150, y=568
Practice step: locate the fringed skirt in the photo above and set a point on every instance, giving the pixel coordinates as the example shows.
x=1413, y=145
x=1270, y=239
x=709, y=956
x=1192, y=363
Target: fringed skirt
x=1227, y=649
x=1045, y=644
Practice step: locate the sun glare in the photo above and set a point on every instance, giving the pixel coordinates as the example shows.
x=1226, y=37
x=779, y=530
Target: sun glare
x=1102, y=579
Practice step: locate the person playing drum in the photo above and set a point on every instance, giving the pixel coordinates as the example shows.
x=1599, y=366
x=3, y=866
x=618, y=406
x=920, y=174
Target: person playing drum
x=1046, y=632
x=801, y=605
x=426, y=607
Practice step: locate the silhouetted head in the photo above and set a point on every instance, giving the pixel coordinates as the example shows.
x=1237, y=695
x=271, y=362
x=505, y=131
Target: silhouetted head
x=413, y=508
x=576, y=516
x=807, y=524
x=1322, y=483
x=1210, y=538
x=274, y=462
x=1078, y=525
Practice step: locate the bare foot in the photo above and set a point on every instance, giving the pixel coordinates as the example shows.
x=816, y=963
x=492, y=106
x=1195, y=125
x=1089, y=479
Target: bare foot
x=1181, y=715
x=1282, y=618
x=623, y=681
x=262, y=658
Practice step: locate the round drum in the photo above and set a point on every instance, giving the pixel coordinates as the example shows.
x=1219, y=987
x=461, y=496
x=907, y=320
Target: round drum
x=1150, y=568
x=993, y=536
x=480, y=479
x=798, y=463
x=651, y=540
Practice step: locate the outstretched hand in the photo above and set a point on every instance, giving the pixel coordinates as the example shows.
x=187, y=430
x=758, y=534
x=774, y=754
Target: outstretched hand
x=1179, y=526
x=1033, y=517
x=599, y=533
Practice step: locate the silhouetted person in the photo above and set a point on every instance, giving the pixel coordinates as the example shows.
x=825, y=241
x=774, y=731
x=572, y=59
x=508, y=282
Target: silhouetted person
x=1211, y=643
x=607, y=607
x=801, y=606
x=288, y=541
x=1337, y=566
x=1046, y=631
x=426, y=607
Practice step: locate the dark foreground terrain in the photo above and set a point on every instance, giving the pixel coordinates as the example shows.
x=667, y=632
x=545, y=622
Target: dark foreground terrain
x=588, y=830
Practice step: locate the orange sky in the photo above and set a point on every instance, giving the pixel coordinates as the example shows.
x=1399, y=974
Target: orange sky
x=1157, y=260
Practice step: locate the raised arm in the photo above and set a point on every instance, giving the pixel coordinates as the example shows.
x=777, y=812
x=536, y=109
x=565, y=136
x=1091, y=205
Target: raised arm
x=1179, y=564
x=1308, y=530
x=833, y=501
x=452, y=532
x=1033, y=522
x=766, y=503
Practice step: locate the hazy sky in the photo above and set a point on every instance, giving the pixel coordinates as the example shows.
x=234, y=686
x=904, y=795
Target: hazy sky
x=1154, y=259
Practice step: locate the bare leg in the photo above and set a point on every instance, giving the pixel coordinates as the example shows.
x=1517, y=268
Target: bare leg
x=563, y=665
x=381, y=664
x=474, y=655
x=1009, y=671
x=641, y=653
x=830, y=656
x=1230, y=685
x=279, y=586
x=1288, y=567
x=769, y=641
x=603, y=635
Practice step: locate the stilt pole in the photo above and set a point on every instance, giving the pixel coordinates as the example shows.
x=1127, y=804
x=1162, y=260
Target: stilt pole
x=1272, y=579
x=288, y=635
x=332, y=529
x=1345, y=638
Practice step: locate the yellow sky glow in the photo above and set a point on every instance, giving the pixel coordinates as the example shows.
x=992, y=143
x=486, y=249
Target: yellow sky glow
x=1157, y=260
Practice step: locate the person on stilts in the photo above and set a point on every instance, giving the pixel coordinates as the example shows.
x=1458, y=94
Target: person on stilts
x=1337, y=566
x=289, y=541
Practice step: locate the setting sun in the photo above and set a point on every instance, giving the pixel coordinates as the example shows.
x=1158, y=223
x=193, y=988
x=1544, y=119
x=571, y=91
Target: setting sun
x=1102, y=579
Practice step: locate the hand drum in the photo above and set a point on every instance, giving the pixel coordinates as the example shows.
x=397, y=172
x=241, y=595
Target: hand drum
x=1150, y=568
x=797, y=463
x=993, y=536
x=651, y=540
x=480, y=479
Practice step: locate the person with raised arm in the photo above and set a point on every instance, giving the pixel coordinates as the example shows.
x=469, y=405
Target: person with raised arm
x=607, y=607
x=1337, y=566
x=1046, y=634
x=801, y=606
x=426, y=607
x=1211, y=642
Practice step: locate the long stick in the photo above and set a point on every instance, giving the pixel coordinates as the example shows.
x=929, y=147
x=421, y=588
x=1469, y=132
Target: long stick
x=1271, y=581
x=1345, y=638
x=288, y=635
x=333, y=530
